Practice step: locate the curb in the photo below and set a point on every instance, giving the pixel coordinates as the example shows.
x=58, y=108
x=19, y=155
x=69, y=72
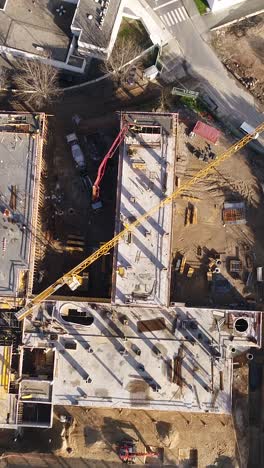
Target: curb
x=238, y=20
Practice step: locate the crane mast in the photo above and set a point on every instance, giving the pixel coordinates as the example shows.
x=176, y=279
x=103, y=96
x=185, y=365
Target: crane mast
x=71, y=277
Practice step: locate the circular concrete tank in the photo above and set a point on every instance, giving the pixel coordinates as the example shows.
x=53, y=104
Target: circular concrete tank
x=64, y=309
x=241, y=325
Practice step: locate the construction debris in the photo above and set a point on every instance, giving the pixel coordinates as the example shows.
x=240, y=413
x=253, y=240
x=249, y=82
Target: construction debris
x=183, y=262
x=190, y=215
x=190, y=272
x=234, y=213
x=235, y=266
x=206, y=131
x=177, y=368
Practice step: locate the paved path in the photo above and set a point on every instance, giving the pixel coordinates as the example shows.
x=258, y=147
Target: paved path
x=171, y=12
x=241, y=10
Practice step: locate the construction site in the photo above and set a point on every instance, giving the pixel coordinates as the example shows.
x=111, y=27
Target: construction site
x=22, y=137
x=179, y=271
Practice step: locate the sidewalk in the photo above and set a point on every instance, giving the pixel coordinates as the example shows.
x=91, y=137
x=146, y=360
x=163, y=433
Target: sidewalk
x=234, y=13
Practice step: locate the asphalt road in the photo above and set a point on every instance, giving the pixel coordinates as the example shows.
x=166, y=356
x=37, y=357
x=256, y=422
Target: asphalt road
x=199, y=60
x=171, y=12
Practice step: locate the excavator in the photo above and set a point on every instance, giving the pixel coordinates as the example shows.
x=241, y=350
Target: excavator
x=72, y=278
x=127, y=452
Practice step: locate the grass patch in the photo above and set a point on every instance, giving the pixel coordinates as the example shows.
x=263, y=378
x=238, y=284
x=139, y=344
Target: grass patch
x=202, y=6
x=134, y=29
x=193, y=104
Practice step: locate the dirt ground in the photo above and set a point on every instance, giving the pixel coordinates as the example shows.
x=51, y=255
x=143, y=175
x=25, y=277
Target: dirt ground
x=66, y=210
x=238, y=179
x=241, y=49
x=183, y=439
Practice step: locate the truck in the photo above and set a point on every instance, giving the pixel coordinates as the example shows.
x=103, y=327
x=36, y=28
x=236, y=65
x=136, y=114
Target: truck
x=76, y=150
x=246, y=129
x=80, y=164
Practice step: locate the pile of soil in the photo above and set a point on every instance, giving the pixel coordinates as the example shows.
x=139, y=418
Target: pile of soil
x=241, y=49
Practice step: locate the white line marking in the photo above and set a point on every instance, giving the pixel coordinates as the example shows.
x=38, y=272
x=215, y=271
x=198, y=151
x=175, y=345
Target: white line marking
x=165, y=4
x=183, y=12
x=165, y=20
x=175, y=16
x=171, y=17
x=178, y=15
x=169, y=20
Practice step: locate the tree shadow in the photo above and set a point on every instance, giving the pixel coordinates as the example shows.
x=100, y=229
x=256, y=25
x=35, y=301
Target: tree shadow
x=223, y=461
x=113, y=432
x=257, y=46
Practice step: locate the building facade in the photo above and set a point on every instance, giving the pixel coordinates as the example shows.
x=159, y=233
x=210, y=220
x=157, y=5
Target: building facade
x=66, y=34
x=221, y=4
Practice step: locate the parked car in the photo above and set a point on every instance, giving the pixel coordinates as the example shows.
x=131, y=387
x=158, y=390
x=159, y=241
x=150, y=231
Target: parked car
x=76, y=150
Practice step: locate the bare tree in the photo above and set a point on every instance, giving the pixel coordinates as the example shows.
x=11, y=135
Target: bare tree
x=3, y=78
x=37, y=82
x=124, y=51
x=164, y=102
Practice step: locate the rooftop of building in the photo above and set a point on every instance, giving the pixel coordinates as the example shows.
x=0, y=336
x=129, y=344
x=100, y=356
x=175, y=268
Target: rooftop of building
x=175, y=358
x=37, y=27
x=96, y=21
x=146, y=176
x=18, y=180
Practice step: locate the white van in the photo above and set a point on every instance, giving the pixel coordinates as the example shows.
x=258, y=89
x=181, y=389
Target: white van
x=246, y=129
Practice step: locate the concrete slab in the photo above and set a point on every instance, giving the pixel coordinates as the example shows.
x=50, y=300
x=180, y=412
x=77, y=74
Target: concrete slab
x=185, y=365
x=35, y=390
x=146, y=176
x=17, y=154
x=20, y=165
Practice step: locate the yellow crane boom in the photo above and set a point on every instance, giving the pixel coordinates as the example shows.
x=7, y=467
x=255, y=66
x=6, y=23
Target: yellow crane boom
x=70, y=278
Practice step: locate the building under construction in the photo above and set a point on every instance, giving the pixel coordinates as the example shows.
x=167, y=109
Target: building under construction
x=140, y=350
x=142, y=263
x=21, y=143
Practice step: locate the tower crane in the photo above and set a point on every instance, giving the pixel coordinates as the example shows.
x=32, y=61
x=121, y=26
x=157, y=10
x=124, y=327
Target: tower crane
x=72, y=277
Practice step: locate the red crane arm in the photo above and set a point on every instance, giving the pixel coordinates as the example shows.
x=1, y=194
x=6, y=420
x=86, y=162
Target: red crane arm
x=145, y=454
x=126, y=453
x=101, y=169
